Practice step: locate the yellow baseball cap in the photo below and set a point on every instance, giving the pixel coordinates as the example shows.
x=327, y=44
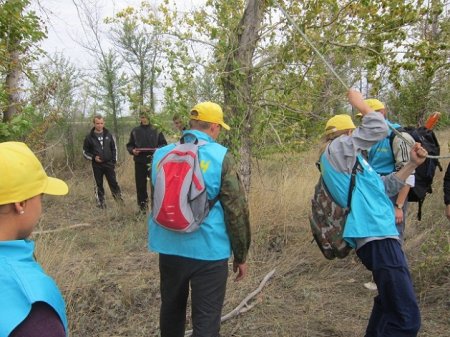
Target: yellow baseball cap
x=22, y=175
x=339, y=122
x=374, y=104
x=208, y=112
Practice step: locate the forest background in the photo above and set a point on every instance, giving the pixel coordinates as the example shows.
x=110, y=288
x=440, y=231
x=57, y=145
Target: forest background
x=246, y=55
x=276, y=93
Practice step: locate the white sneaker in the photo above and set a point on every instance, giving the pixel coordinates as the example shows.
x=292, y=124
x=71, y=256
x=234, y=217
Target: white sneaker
x=370, y=286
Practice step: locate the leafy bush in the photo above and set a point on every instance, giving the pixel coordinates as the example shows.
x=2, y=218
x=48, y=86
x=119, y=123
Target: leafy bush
x=19, y=126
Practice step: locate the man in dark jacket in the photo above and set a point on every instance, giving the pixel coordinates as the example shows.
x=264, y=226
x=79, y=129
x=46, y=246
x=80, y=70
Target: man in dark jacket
x=100, y=148
x=144, y=139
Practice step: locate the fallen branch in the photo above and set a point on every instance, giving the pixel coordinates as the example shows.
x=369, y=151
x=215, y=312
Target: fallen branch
x=63, y=229
x=243, y=306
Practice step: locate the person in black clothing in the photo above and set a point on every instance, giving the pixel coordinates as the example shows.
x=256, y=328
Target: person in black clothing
x=144, y=139
x=447, y=192
x=100, y=148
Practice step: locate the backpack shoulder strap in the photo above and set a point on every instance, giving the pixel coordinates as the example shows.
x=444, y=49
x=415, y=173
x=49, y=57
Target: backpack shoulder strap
x=419, y=209
x=352, y=183
x=198, y=143
x=392, y=135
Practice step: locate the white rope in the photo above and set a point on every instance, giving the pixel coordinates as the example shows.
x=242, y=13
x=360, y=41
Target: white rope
x=408, y=141
x=399, y=134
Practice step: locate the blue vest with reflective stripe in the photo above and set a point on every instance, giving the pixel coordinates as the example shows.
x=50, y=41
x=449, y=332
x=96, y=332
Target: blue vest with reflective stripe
x=372, y=213
x=210, y=241
x=381, y=157
x=22, y=283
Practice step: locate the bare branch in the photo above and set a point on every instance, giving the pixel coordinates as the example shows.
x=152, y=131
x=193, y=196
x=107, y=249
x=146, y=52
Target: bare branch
x=244, y=306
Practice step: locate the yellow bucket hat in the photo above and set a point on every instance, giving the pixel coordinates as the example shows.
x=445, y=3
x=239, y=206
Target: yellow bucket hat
x=22, y=175
x=374, y=104
x=339, y=122
x=208, y=112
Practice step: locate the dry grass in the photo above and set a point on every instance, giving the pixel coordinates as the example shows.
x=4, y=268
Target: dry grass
x=111, y=282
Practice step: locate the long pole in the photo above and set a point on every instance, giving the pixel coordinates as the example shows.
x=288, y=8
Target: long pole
x=288, y=17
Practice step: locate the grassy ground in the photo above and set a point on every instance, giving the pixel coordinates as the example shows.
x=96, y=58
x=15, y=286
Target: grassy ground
x=111, y=282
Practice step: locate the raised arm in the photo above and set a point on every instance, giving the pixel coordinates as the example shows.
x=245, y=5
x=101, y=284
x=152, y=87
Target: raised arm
x=356, y=99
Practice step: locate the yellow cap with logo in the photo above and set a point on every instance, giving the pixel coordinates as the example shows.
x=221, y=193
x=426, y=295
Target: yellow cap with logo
x=22, y=175
x=208, y=112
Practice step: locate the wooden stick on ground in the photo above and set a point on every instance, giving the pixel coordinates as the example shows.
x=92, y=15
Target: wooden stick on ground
x=62, y=229
x=243, y=306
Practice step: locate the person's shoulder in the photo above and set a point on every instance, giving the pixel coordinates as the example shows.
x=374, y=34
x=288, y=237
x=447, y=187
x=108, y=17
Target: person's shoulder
x=405, y=138
x=214, y=146
x=106, y=132
x=148, y=128
x=166, y=148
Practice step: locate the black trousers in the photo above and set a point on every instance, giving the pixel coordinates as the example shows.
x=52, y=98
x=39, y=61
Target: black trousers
x=141, y=175
x=207, y=281
x=106, y=170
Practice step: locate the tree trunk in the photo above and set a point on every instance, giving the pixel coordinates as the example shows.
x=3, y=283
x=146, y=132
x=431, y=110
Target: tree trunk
x=142, y=78
x=12, y=82
x=237, y=83
x=70, y=145
x=153, y=82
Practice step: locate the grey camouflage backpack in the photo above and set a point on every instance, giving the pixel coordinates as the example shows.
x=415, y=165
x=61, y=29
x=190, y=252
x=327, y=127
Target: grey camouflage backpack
x=180, y=201
x=327, y=219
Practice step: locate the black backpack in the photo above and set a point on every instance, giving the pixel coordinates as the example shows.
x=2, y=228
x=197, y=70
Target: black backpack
x=424, y=173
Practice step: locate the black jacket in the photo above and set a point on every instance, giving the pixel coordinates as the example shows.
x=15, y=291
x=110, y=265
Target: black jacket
x=145, y=136
x=92, y=147
x=447, y=186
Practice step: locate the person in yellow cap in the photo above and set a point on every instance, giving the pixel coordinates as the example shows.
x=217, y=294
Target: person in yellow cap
x=339, y=124
x=389, y=155
x=197, y=262
x=370, y=226
x=30, y=301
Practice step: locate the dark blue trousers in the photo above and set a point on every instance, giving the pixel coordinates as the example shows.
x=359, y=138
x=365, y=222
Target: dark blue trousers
x=395, y=312
x=207, y=281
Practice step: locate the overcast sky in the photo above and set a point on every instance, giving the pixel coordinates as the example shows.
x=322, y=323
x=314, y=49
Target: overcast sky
x=64, y=28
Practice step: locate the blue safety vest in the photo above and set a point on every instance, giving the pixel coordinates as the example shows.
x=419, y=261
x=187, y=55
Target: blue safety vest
x=371, y=210
x=22, y=283
x=210, y=242
x=381, y=157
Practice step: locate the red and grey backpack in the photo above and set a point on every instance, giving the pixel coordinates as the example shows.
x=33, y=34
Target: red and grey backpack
x=180, y=201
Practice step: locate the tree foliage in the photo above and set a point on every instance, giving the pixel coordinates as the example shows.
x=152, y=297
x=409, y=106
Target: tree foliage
x=20, y=31
x=275, y=88
x=140, y=48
